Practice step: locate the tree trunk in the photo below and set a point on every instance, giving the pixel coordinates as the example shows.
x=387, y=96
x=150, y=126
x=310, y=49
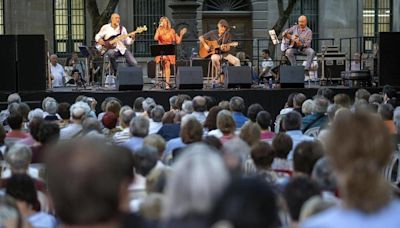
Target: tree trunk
x=280, y=23
x=98, y=19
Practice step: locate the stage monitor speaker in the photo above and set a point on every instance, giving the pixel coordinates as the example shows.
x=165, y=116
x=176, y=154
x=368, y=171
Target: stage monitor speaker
x=189, y=77
x=388, y=59
x=151, y=69
x=8, y=81
x=291, y=76
x=31, y=60
x=130, y=78
x=238, y=77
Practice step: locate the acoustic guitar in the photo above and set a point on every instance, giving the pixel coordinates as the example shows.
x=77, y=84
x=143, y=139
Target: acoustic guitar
x=291, y=41
x=112, y=41
x=214, y=47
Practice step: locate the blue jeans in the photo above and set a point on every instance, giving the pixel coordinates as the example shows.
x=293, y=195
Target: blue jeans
x=114, y=54
x=291, y=54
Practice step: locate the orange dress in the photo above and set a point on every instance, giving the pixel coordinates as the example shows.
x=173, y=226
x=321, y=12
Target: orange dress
x=167, y=37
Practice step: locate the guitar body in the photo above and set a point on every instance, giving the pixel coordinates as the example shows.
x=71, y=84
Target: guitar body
x=214, y=48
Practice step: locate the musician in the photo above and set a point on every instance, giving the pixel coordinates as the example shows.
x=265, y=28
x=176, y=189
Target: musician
x=115, y=29
x=298, y=40
x=167, y=35
x=57, y=73
x=223, y=36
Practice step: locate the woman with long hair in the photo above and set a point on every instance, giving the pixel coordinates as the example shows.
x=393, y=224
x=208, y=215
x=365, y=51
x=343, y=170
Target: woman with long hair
x=165, y=34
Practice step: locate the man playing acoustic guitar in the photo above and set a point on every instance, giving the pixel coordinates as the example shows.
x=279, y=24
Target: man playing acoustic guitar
x=224, y=39
x=114, y=29
x=297, y=39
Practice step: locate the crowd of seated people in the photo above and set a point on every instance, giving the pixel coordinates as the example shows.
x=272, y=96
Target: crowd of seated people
x=201, y=162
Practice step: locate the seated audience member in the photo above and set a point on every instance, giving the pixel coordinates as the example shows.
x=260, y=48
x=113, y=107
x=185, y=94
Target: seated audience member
x=318, y=117
x=250, y=133
x=124, y=135
x=91, y=128
x=210, y=124
x=48, y=134
x=237, y=107
x=236, y=154
x=298, y=101
x=210, y=102
x=102, y=205
x=65, y=114
x=282, y=144
x=385, y=111
x=390, y=95
x=375, y=98
x=138, y=106
x=367, y=199
x=288, y=105
x=224, y=105
x=139, y=129
x=50, y=108
x=172, y=103
x=246, y=203
x=305, y=155
x=181, y=98
x=113, y=106
x=212, y=141
x=297, y=191
x=157, y=142
x=226, y=124
x=263, y=156
x=362, y=94
x=3, y=146
x=342, y=100
x=13, y=98
x=22, y=188
x=186, y=204
x=10, y=216
x=156, y=115
x=314, y=206
x=324, y=175
x=253, y=110
x=147, y=105
x=307, y=107
x=396, y=121
x=33, y=126
x=264, y=120
x=171, y=125
x=109, y=122
x=328, y=93
x=14, y=120
x=199, y=108
x=292, y=126
x=24, y=109
x=78, y=111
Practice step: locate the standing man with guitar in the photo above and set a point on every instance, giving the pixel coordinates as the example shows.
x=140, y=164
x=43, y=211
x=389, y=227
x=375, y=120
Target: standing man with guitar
x=223, y=40
x=114, y=29
x=297, y=39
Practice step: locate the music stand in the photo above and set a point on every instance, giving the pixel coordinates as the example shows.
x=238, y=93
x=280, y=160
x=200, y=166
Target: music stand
x=85, y=52
x=162, y=50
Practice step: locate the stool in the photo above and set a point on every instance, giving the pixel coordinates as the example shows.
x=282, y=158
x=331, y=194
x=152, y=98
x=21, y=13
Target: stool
x=106, y=62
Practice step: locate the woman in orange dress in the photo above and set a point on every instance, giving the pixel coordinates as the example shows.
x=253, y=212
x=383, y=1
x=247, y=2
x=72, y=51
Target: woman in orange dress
x=167, y=35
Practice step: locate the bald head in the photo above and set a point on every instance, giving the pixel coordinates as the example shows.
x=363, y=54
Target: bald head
x=53, y=59
x=115, y=20
x=302, y=21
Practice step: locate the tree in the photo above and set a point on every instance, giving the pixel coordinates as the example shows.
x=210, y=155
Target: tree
x=284, y=15
x=100, y=19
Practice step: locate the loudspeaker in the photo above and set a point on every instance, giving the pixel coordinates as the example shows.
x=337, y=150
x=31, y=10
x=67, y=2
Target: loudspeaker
x=189, y=77
x=8, y=81
x=31, y=59
x=291, y=76
x=151, y=69
x=203, y=63
x=238, y=76
x=130, y=78
x=388, y=58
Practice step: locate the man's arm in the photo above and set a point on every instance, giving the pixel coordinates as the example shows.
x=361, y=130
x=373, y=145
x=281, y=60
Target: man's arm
x=203, y=39
x=100, y=35
x=307, y=39
x=130, y=39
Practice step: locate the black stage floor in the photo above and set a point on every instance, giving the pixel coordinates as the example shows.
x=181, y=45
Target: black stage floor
x=271, y=99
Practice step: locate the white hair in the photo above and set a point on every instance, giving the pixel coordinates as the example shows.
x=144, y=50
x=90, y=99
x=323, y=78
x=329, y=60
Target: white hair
x=147, y=103
x=18, y=157
x=79, y=109
x=187, y=106
x=36, y=113
x=197, y=178
x=396, y=118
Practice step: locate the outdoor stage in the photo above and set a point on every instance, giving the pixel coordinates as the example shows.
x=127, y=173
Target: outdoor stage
x=272, y=100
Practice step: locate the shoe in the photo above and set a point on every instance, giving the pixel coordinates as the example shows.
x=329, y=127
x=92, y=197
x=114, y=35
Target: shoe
x=167, y=87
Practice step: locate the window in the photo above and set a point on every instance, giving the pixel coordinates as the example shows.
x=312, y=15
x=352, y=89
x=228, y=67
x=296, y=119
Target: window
x=310, y=9
x=226, y=5
x=69, y=25
x=377, y=17
x=1, y=16
x=146, y=12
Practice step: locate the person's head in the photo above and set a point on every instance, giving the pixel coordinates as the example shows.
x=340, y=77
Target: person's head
x=307, y=107
x=18, y=157
x=115, y=20
x=343, y=100
x=13, y=98
x=247, y=202
x=139, y=126
x=265, y=54
x=298, y=100
x=157, y=113
x=53, y=59
x=359, y=147
x=199, y=104
x=292, y=121
x=24, y=110
x=250, y=133
x=165, y=23
x=91, y=124
x=155, y=141
x=49, y=132
x=327, y=93
x=184, y=195
x=212, y=141
x=90, y=200
x=224, y=105
x=264, y=120
x=225, y=122
x=180, y=99
x=148, y=103
x=138, y=104
x=63, y=110
x=282, y=144
x=210, y=102
x=172, y=103
x=10, y=216
x=356, y=57
x=236, y=104
x=362, y=94
x=74, y=56
x=262, y=155
x=109, y=120
x=15, y=120
x=320, y=105
x=145, y=159
x=36, y=113
x=297, y=191
x=187, y=107
x=324, y=175
x=331, y=111
x=253, y=110
x=305, y=155
x=290, y=99
x=389, y=92
x=113, y=106
x=79, y=111
x=3, y=134
x=51, y=107
x=222, y=26
x=235, y=153
x=126, y=117
x=396, y=118
x=302, y=21
x=241, y=55
x=75, y=74
x=22, y=188
x=385, y=111
x=211, y=120
x=191, y=130
x=375, y=98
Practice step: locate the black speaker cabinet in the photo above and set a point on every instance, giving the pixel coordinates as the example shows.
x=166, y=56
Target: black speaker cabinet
x=291, y=76
x=130, y=78
x=189, y=77
x=238, y=77
x=8, y=81
x=203, y=63
x=388, y=58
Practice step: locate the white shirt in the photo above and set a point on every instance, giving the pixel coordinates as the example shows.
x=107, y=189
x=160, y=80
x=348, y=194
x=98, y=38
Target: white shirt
x=58, y=73
x=154, y=127
x=267, y=63
x=108, y=31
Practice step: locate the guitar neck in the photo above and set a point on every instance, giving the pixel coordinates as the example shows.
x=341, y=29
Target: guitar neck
x=121, y=37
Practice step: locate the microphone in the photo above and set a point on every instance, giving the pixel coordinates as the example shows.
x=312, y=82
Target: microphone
x=232, y=27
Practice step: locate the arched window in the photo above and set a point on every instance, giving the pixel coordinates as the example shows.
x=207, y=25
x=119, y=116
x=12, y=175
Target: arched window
x=226, y=5
x=69, y=25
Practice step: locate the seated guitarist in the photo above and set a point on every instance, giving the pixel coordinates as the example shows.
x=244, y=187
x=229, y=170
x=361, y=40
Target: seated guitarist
x=223, y=36
x=299, y=39
x=115, y=29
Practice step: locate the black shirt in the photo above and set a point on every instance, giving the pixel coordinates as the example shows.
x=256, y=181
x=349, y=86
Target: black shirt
x=223, y=39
